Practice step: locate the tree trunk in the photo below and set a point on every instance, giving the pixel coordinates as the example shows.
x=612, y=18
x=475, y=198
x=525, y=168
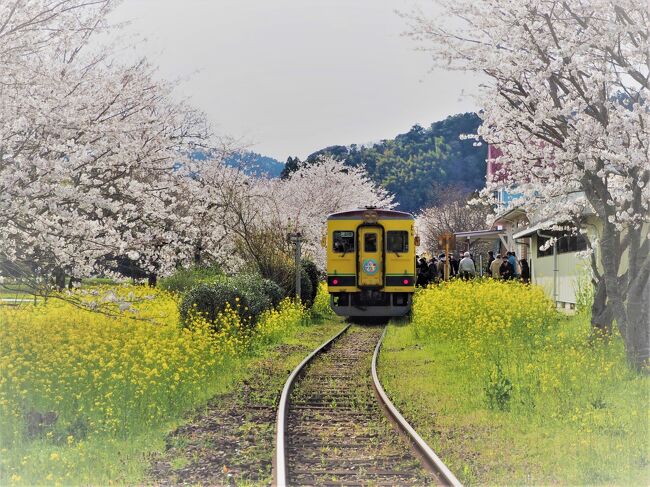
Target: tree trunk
x=152, y=279
x=627, y=297
x=601, y=313
x=59, y=279
x=198, y=248
x=638, y=325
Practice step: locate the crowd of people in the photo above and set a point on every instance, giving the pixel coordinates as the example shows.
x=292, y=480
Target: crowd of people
x=505, y=266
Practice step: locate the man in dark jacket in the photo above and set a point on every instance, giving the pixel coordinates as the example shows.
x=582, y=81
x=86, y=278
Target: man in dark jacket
x=453, y=266
x=506, y=270
x=423, y=273
x=525, y=271
x=489, y=261
x=433, y=270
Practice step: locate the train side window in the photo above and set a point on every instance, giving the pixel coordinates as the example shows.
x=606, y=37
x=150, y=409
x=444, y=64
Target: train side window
x=397, y=241
x=370, y=242
x=343, y=241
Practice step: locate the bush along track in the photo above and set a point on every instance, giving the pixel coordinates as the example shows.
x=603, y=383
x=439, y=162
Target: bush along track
x=507, y=391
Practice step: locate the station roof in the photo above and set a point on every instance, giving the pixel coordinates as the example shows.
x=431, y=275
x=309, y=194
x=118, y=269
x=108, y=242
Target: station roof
x=511, y=214
x=480, y=235
x=526, y=232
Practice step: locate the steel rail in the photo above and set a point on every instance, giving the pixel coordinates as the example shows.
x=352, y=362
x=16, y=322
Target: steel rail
x=426, y=453
x=280, y=470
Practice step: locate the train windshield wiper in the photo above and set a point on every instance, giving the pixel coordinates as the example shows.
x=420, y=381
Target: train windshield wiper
x=345, y=251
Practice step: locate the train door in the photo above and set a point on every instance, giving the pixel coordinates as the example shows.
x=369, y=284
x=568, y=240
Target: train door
x=371, y=271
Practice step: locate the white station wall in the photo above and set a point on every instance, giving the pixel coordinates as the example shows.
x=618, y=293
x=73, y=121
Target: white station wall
x=571, y=270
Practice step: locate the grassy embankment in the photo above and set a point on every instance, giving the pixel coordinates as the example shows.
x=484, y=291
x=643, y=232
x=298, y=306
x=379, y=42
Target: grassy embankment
x=14, y=292
x=86, y=398
x=507, y=391
x=20, y=292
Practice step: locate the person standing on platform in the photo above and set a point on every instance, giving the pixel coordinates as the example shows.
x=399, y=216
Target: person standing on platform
x=466, y=268
x=506, y=270
x=525, y=271
x=453, y=265
x=423, y=273
x=441, y=266
x=495, y=267
x=433, y=270
x=512, y=258
x=489, y=262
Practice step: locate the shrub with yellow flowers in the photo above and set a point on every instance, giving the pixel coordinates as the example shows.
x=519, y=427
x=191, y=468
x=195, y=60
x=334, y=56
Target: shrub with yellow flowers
x=495, y=363
x=321, y=307
x=68, y=375
x=510, y=335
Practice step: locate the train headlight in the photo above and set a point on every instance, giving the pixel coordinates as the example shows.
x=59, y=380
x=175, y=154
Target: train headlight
x=405, y=282
x=335, y=282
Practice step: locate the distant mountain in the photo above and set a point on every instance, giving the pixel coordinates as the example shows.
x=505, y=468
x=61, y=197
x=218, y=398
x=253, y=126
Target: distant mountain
x=251, y=163
x=419, y=165
x=256, y=164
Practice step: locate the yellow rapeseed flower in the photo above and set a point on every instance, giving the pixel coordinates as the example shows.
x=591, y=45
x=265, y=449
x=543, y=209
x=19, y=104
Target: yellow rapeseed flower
x=116, y=375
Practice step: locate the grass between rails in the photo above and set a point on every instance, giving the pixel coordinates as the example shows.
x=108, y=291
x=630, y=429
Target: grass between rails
x=86, y=398
x=506, y=391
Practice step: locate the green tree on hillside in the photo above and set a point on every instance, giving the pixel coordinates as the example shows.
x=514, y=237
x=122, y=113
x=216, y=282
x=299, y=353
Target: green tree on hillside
x=418, y=165
x=292, y=165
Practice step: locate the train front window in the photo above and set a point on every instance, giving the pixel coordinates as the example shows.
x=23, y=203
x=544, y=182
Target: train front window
x=397, y=241
x=370, y=242
x=343, y=242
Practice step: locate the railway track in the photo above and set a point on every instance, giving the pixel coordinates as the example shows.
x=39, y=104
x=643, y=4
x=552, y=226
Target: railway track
x=337, y=427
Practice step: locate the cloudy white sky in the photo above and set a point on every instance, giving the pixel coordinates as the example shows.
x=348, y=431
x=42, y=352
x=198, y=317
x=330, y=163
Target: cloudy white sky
x=289, y=77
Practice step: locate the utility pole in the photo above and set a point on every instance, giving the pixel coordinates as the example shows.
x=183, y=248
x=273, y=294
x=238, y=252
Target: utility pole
x=447, y=259
x=296, y=239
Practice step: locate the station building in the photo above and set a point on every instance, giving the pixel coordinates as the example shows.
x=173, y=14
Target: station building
x=561, y=269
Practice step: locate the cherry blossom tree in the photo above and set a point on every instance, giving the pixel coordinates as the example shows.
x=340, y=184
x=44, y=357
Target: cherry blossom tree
x=453, y=214
x=566, y=100
x=88, y=148
x=309, y=195
x=227, y=208
x=263, y=211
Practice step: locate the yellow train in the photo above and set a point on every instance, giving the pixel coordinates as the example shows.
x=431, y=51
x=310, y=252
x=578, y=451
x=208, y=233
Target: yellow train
x=371, y=262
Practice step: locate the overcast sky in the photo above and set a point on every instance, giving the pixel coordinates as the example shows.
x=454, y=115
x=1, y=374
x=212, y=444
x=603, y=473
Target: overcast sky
x=289, y=77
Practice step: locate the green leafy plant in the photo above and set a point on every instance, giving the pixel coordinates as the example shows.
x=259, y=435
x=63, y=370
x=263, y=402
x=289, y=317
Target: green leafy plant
x=498, y=389
x=584, y=290
x=248, y=294
x=262, y=294
x=211, y=299
x=183, y=280
x=314, y=276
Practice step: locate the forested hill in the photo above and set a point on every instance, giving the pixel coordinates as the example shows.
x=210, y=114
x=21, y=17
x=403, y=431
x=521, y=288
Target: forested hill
x=417, y=166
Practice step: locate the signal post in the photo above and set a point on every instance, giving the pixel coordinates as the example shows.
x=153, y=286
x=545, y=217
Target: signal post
x=446, y=241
